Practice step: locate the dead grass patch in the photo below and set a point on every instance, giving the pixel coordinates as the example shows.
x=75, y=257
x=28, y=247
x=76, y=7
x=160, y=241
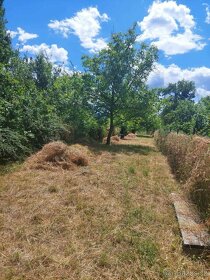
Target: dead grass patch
x=130, y=136
x=114, y=139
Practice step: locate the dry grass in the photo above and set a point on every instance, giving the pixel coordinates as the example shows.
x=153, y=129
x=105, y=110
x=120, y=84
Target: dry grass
x=58, y=155
x=110, y=220
x=130, y=136
x=114, y=139
x=189, y=158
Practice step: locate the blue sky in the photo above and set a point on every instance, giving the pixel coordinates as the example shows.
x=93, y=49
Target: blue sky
x=67, y=29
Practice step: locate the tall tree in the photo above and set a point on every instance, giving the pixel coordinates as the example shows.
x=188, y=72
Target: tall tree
x=182, y=90
x=43, y=71
x=5, y=42
x=117, y=73
x=178, y=106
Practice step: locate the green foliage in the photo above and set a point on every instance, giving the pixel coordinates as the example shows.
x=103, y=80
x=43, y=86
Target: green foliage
x=5, y=43
x=181, y=118
x=43, y=72
x=182, y=90
x=71, y=104
x=148, y=251
x=180, y=113
x=39, y=103
x=13, y=146
x=131, y=170
x=28, y=115
x=202, y=120
x=117, y=74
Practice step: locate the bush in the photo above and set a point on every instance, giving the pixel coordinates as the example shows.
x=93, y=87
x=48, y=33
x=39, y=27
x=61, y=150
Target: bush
x=189, y=158
x=13, y=146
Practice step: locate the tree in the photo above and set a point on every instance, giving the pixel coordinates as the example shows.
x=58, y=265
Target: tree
x=117, y=73
x=178, y=106
x=202, y=117
x=5, y=42
x=182, y=118
x=43, y=72
x=141, y=112
x=182, y=90
x=70, y=101
x=205, y=101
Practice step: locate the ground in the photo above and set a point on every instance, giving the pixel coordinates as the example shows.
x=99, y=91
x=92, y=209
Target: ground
x=112, y=219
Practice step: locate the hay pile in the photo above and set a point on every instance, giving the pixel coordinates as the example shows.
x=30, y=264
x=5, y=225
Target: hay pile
x=114, y=139
x=130, y=136
x=58, y=155
x=189, y=158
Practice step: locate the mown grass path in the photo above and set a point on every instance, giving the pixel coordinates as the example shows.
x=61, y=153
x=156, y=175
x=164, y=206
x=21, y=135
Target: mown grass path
x=110, y=220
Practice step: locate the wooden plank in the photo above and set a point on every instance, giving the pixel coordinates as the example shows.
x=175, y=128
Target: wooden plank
x=194, y=233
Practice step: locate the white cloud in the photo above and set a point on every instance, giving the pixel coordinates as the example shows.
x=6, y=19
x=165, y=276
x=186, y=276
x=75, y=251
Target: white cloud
x=171, y=28
x=23, y=36
x=86, y=24
x=201, y=92
x=12, y=34
x=53, y=52
x=207, y=13
x=162, y=76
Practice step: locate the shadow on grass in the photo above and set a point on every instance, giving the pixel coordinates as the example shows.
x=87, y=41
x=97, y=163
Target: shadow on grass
x=144, y=136
x=9, y=167
x=122, y=148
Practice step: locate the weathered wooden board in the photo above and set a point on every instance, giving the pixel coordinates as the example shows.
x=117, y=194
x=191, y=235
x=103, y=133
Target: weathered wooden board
x=194, y=233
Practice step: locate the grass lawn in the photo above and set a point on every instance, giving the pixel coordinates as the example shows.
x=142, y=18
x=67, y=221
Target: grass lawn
x=110, y=220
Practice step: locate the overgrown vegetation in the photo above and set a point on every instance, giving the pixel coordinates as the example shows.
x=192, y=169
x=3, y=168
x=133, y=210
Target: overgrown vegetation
x=40, y=102
x=189, y=158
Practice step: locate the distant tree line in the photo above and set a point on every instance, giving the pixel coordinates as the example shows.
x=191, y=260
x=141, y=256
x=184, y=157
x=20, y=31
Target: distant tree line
x=39, y=102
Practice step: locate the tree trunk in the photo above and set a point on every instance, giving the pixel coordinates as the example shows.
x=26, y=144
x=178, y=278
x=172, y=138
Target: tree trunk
x=111, y=129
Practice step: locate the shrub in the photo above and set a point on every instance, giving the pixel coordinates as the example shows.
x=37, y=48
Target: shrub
x=13, y=146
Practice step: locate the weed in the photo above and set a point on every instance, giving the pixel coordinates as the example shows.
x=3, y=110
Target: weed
x=147, y=250
x=131, y=170
x=103, y=260
x=128, y=256
x=145, y=172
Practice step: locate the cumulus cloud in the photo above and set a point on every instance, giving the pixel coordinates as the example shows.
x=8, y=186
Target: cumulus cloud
x=163, y=75
x=53, y=52
x=86, y=24
x=171, y=28
x=22, y=35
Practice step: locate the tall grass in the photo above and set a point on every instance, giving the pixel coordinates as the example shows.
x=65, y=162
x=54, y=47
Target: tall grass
x=189, y=158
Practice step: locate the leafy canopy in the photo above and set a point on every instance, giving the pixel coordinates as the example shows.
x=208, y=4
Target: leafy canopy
x=117, y=74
